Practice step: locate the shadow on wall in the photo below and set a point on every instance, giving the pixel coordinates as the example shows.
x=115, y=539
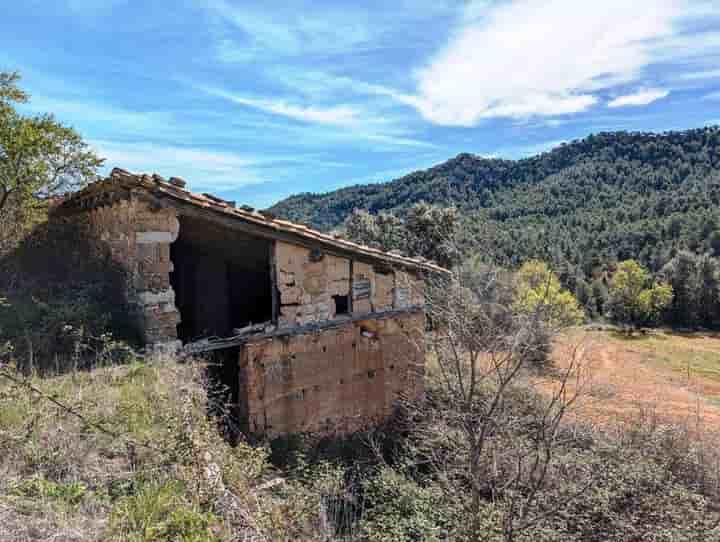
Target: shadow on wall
x=62, y=296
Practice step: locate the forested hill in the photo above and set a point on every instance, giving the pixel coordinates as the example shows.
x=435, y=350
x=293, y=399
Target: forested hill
x=606, y=197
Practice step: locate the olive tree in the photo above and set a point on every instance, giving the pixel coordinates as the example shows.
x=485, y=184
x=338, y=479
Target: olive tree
x=39, y=156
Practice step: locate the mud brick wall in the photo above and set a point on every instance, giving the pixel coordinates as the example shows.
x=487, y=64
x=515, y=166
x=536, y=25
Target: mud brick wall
x=139, y=239
x=307, y=287
x=335, y=381
x=372, y=290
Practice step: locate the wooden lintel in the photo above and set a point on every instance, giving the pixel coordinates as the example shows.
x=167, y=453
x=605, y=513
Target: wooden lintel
x=230, y=342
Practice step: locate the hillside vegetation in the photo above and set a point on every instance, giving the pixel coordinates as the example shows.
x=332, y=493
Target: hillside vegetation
x=583, y=205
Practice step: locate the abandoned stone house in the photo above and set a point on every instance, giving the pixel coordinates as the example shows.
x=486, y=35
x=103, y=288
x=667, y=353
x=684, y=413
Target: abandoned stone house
x=323, y=334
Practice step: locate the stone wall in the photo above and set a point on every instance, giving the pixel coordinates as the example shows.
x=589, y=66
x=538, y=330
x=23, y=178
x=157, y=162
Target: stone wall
x=333, y=381
x=372, y=290
x=409, y=290
x=139, y=239
x=307, y=285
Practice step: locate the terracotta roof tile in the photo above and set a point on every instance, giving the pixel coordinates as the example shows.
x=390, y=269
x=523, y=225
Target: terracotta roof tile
x=157, y=184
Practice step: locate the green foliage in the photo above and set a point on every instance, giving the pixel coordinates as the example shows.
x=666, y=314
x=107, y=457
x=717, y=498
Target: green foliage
x=655, y=300
x=39, y=157
x=37, y=487
x=539, y=291
x=646, y=482
x=633, y=300
x=403, y=510
x=68, y=331
x=650, y=483
x=582, y=207
x=432, y=232
x=695, y=280
x=158, y=511
x=70, y=314
x=427, y=231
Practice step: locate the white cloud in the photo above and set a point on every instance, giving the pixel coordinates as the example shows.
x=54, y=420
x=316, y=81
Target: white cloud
x=642, y=97
x=204, y=169
x=524, y=58
x=336, y=115
x=712, y=96
x=346, y=122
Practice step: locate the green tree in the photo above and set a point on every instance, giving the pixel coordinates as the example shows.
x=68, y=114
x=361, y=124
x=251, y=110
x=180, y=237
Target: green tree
x=361, y=227
x=599, y=297
x=682, y=273
x=634, y=300
x=709, y=292
x=431, y=232
x=428, y=231
x=539, y=289
x=39, y=157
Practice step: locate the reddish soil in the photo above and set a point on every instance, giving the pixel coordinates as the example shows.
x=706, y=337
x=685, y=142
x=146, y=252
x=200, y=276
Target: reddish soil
x=622, y=381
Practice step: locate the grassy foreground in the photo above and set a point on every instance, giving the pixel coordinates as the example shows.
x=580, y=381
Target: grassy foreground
x=133, y=456
x=136, y=460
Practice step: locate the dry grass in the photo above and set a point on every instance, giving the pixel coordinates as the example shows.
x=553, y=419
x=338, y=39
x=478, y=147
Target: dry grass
x=167, y=474
x=675, y=377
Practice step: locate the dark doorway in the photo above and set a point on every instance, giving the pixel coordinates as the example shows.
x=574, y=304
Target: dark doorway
x=221, y=279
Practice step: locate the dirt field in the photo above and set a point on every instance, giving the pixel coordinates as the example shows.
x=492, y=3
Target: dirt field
x=668, y=376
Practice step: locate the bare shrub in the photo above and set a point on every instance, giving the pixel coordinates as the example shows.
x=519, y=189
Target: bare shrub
x=469, y=433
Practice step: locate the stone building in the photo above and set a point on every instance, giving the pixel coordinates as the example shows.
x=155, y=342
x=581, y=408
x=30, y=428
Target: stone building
x=323, y=334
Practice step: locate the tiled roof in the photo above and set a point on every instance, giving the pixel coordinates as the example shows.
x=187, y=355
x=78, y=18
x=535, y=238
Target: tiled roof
x=175, y=189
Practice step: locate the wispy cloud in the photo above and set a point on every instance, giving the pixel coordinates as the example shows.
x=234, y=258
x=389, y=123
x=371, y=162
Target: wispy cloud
x=700, y=75
x=345, y=122
x=712, y=96
x=98, y=118
x=336, y=115
x=641, y=97
x=289, y=30
x=205, y=169
x=525, y=58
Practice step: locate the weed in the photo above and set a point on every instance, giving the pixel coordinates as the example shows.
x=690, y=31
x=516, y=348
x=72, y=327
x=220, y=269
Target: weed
x=159, y=511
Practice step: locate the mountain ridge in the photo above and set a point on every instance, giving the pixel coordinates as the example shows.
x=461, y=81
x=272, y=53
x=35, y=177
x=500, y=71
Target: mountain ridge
x=468, y=180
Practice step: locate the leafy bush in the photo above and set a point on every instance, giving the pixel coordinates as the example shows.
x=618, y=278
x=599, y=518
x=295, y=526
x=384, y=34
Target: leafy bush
x=401, y=509
x=59, y=317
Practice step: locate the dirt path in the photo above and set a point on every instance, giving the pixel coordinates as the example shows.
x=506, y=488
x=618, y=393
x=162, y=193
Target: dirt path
x=625, y=379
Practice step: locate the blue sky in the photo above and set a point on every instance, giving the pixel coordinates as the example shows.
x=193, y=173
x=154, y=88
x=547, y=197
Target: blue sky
x=257, y=101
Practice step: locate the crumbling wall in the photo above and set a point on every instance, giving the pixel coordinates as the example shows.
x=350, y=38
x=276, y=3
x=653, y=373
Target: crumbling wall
x=307, y=283
x=372, y=289
x=409, y=290
x=139, y=237
x=333, y=381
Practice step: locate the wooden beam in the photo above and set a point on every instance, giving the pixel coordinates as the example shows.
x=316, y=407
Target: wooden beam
x=230, y=342
x=237, y=223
